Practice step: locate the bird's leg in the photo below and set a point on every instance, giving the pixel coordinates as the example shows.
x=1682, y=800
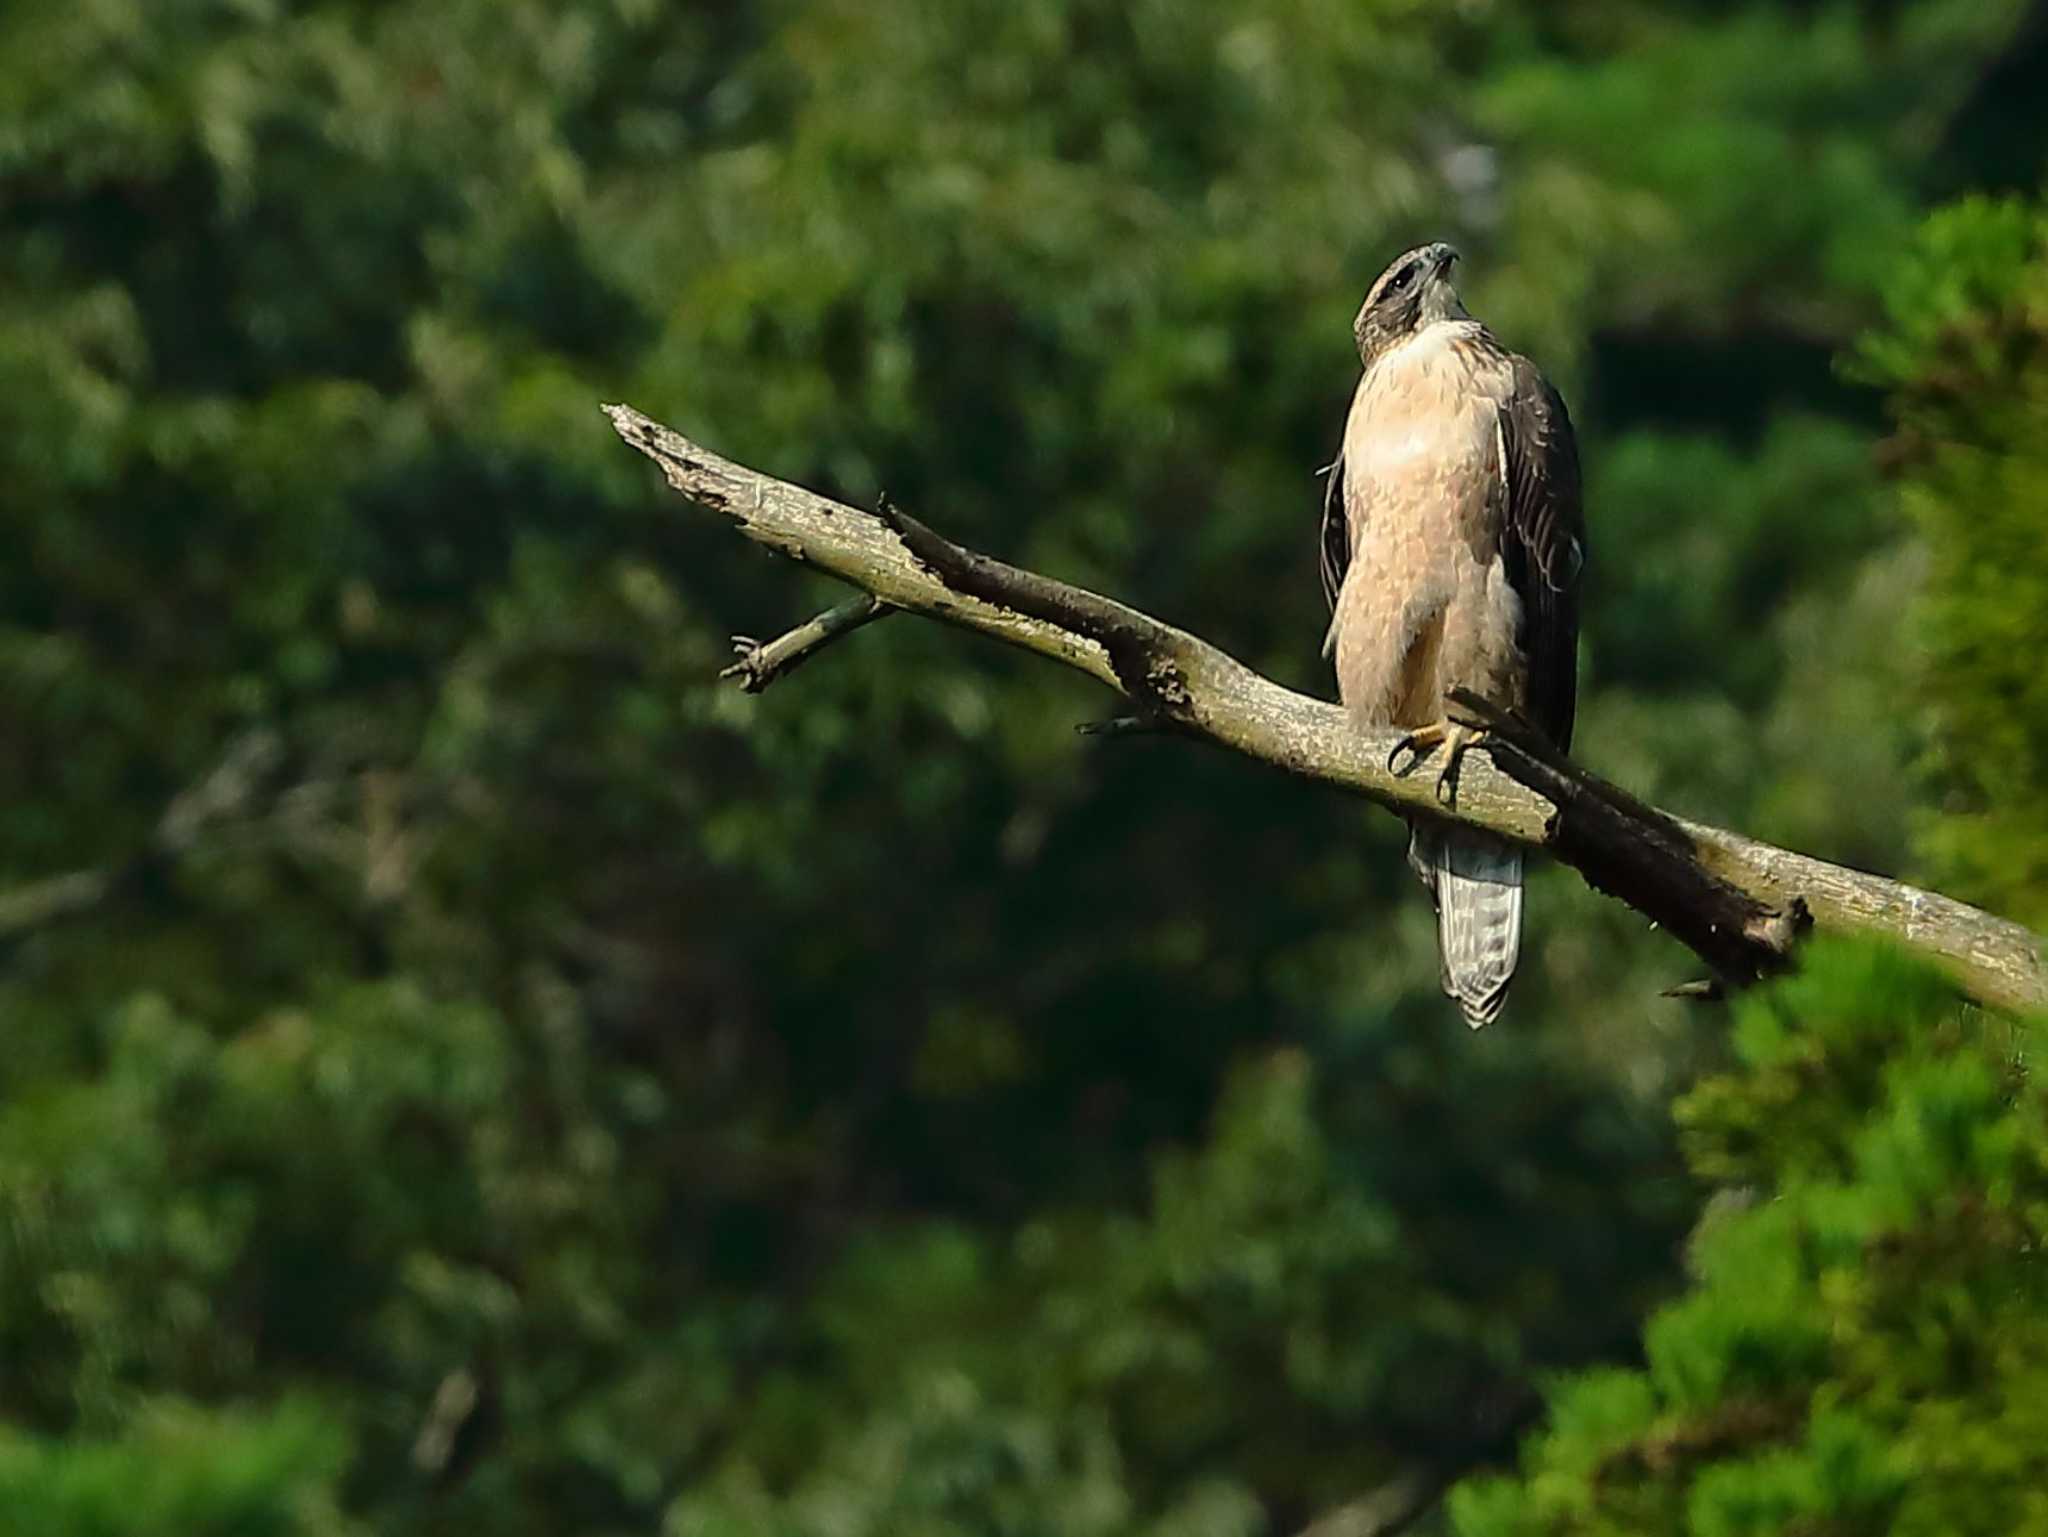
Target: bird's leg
x=1455, y=737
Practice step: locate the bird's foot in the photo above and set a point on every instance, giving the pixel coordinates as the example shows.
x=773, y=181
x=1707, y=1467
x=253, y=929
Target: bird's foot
x=747, y=664
x=1455, y=738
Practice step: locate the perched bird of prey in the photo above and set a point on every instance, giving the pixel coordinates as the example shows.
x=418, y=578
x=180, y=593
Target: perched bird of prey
x=1452, y=546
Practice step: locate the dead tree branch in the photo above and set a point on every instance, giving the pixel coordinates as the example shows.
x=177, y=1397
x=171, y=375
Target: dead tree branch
x=1739, y=904
x=761, y=663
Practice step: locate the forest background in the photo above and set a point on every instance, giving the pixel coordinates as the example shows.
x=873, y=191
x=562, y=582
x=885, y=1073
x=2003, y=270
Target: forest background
x=463, y=1068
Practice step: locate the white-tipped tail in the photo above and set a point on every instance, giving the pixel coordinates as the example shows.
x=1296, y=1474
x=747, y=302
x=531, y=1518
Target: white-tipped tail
x=1477, y=883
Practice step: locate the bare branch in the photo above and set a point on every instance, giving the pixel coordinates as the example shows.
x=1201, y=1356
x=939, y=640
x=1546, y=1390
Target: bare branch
x=1386, y=1511
x=760, y=664
x=1497, y=1421
x=38, y=904
x=1739, y=904
x=228, y=791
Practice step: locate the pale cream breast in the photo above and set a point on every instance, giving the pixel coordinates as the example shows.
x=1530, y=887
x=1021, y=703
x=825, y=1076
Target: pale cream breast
x=1425, y=604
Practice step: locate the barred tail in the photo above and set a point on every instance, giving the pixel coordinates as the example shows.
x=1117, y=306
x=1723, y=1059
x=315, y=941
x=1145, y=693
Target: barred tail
x=1477, y=883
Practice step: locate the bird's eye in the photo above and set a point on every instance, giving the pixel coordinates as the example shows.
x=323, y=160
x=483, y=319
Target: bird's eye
x=1401, y=279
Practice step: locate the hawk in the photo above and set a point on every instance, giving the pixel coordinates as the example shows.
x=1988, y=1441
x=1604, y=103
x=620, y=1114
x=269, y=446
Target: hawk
x=1452, y=546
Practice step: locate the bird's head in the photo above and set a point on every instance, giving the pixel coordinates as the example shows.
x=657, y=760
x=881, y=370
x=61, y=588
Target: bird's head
x=1415, y=291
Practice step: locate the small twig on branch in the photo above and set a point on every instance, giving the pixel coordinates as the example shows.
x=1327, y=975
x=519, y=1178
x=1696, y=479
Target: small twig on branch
x=761, y=663
x=1123, y=725
x=1699, y=990
x=1741, y=905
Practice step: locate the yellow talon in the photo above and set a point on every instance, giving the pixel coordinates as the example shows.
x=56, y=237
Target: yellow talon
x=1454, y=738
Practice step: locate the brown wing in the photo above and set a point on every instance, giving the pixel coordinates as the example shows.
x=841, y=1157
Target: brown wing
x=1544, y=541
x=1335, y=555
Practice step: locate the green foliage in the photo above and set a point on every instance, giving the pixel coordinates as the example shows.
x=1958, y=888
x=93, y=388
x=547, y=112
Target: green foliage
x=179, y=1470
x=564, y=1094
x=1250, y=1301
x=1965, y=352
x=1865, y=1344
